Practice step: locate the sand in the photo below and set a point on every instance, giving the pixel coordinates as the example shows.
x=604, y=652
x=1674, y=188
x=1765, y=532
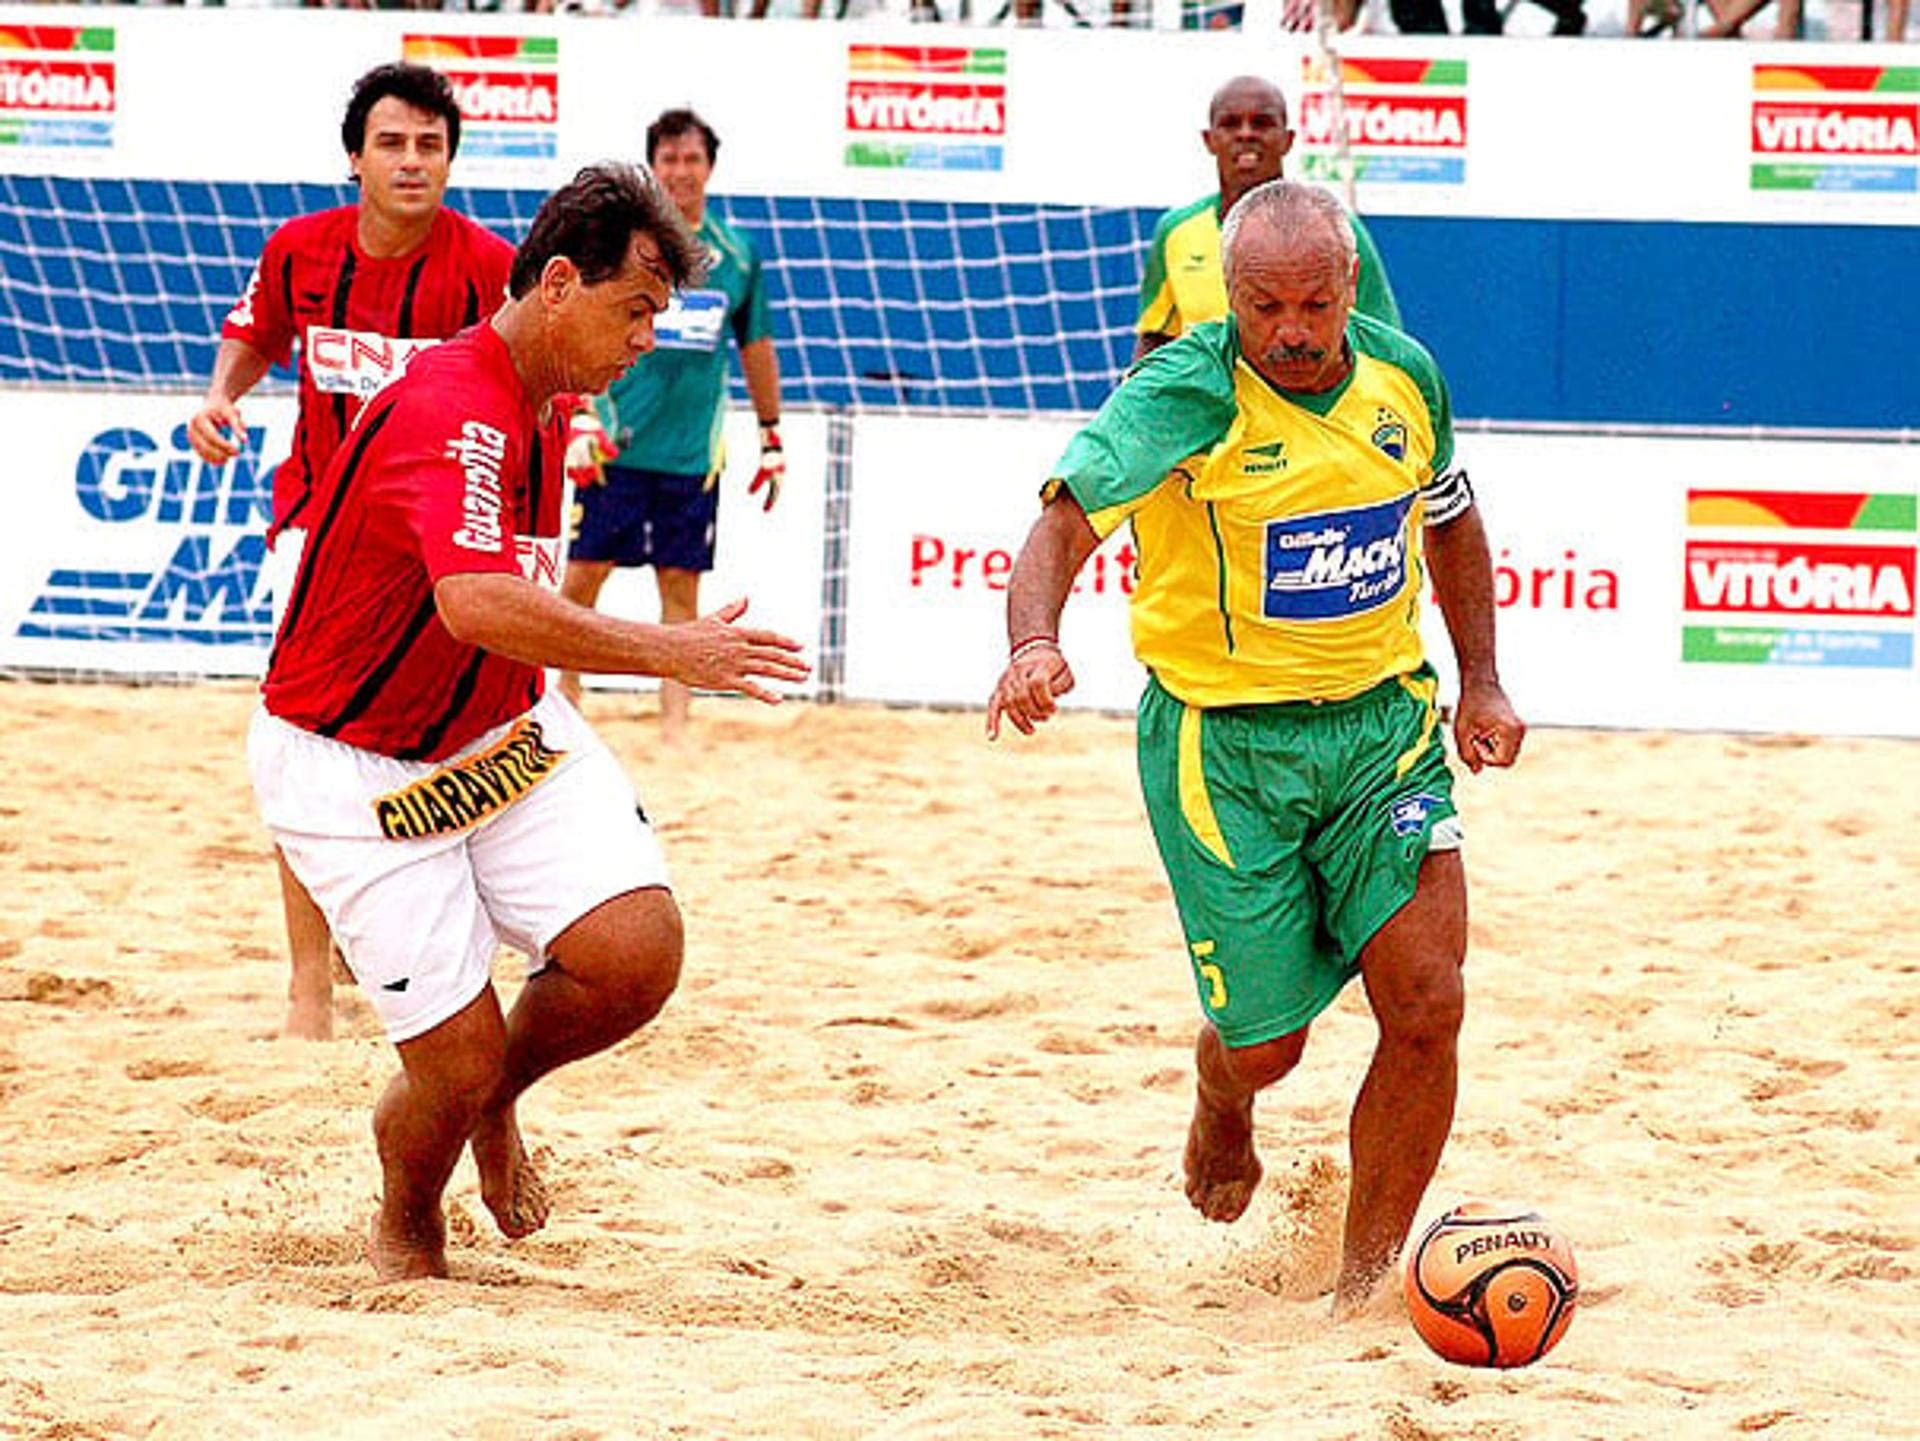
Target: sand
x=901, y=1159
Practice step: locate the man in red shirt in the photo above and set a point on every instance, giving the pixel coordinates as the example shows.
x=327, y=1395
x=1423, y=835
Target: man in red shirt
x=359, y=289
x=422, y=783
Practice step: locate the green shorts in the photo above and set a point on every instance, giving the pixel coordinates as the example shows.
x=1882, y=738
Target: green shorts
x=1291, y=833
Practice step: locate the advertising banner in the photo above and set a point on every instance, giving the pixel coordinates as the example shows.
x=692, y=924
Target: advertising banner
x=940, y=508
x=1663, y=582
x=57, y=87
x=126, y=553
x=869, y=109
x=129, y=555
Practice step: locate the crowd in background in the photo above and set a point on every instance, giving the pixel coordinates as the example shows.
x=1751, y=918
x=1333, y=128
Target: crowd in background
x=1837, y=20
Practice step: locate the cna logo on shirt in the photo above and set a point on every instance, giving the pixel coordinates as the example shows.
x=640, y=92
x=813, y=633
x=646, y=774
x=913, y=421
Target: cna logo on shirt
x=692, y=320
x=1800, y=578
x=1337, y=563
x=354, y=362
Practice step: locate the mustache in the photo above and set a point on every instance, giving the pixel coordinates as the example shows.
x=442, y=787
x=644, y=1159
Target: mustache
x=1296, y=354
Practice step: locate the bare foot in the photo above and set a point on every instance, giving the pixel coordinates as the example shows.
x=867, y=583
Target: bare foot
x=1222, y=1170
x=1360, y=1289
x=407, y=1251
x=309, y=1015
x=509, y=1184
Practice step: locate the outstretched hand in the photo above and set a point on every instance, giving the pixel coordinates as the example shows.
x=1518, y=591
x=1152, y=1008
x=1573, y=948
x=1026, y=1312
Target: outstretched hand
x=1487, y=731
x=713, y=653
x=1028, y=693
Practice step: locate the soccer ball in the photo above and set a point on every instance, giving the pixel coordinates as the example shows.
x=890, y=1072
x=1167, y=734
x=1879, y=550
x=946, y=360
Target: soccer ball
x=1491, y=1285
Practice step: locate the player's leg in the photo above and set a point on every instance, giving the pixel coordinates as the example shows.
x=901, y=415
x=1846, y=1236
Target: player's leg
x=573, y=876
x=1221, y=1163
x=1396, y=898
x=609, y=529
x=685, y=511
x=310, y=945
x=421, y=1123
x=1401, y=1118
x=679, y=603
x=1247, y=906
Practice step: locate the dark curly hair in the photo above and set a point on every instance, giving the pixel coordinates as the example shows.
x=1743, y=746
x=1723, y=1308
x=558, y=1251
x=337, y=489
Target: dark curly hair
x=592, y=220
x=420, y=86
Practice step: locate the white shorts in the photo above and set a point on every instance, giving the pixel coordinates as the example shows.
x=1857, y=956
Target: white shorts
x=540, y=827
x=280, y=568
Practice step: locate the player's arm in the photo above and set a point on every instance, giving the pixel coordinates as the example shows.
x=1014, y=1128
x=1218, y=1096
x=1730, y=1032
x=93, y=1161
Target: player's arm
x=513, y=617
x=1486, y=728
x=216, y=431
x=1037, y=673
x=761, y=365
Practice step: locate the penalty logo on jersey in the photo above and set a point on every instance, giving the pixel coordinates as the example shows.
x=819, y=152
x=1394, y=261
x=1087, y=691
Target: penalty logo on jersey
x=1337, y=563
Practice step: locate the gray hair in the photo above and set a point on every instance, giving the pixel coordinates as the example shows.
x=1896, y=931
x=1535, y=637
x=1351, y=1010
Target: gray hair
x=1298, y=216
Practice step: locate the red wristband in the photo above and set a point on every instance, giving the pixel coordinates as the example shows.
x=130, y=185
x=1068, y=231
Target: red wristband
x=1032, y=642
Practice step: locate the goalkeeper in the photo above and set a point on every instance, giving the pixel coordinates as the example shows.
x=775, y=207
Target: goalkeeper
x=1248, y=138
x=646, y=462
x=358, y=289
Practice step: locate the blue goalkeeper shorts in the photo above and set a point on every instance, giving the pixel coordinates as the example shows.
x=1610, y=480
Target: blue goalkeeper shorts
x=646, y=517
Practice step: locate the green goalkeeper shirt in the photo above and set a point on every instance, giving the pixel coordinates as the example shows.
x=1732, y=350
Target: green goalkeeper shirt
x=667, y=411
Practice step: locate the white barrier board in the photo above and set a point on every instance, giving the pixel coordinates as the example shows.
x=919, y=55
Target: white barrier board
x=1463, y=126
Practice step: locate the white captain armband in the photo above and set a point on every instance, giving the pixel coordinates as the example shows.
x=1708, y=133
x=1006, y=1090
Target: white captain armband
x=1448, y=496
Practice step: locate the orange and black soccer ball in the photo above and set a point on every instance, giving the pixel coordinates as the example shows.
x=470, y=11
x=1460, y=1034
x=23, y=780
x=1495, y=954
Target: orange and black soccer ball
x=1491, y=1285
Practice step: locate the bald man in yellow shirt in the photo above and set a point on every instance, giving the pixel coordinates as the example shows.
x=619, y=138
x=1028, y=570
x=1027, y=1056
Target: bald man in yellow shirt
x=1248, y=137
x=1291, y=478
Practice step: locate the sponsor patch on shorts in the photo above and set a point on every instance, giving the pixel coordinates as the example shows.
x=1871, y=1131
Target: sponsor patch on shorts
x=467, y=791
x=1408, y=815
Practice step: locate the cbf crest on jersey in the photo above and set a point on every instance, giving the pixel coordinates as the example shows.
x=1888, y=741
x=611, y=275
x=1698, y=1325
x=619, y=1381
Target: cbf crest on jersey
x=1389, y=434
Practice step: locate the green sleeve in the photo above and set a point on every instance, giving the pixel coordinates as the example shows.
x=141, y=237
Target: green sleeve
x=1155, y=302
x=1374, y=292
x=1175, y=403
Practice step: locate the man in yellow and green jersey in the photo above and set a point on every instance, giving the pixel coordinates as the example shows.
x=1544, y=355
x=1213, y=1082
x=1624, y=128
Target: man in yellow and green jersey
x=1291, y=478
x=1247, y=136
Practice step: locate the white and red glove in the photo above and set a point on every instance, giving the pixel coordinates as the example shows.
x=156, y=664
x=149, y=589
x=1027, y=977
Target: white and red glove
x=588, y=449
x=773, y=464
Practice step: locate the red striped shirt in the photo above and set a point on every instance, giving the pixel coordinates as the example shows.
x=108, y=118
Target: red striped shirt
x=449, y=472
x=352, y=316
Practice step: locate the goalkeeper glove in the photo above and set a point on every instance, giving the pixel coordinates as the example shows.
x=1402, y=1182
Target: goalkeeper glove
x=588, y=450
x=773, y=464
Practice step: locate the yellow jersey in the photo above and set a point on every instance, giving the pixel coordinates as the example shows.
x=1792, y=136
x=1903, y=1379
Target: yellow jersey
x=1184, y=286
x=1278, y=533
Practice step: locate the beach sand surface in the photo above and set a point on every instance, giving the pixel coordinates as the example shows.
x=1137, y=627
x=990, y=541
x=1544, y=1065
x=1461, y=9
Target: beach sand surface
x=901, y=1158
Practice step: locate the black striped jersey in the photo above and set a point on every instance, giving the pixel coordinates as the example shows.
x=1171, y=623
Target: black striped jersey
x=450, y=471
x=356, y=321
